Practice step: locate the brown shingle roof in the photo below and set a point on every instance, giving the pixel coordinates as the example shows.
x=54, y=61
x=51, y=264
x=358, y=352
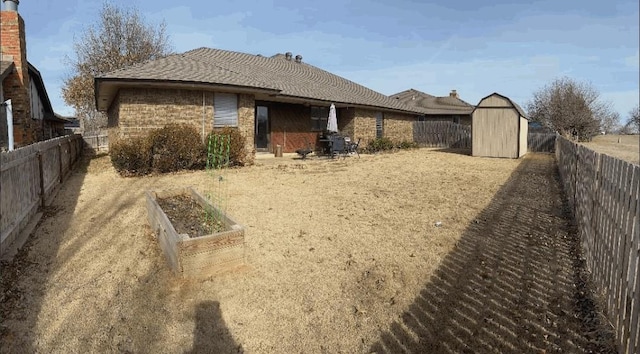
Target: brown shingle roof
x=5, y=68
x=287, y=77
x=521, y=111
x=429, y=104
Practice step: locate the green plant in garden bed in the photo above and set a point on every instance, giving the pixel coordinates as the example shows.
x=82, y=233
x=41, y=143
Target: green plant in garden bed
x=218, y=158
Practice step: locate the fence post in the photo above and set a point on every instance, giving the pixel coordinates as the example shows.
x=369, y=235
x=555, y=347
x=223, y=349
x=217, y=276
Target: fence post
x=60, y=161
x=70, y=154
x=41, y=175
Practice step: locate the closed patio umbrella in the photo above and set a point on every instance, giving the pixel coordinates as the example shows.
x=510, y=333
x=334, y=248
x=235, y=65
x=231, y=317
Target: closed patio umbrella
x=332, y=122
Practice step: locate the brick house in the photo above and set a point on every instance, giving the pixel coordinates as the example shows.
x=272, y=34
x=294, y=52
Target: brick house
x=21, y=82
x=447, y=108
x=277, y=100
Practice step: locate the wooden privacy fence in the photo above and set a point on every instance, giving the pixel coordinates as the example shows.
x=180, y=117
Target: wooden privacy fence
x=96, y=143
x=603, y=193
x=442, y=134
x=28, y=177
x=541, y=142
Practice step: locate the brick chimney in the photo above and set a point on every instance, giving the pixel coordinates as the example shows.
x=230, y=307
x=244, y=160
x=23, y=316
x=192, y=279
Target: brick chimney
x=454, y=94
x=15, y=86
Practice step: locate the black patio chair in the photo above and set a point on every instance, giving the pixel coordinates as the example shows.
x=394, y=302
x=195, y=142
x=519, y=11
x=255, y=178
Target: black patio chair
x=338, y=146
x=353, y=148
x=305, y=151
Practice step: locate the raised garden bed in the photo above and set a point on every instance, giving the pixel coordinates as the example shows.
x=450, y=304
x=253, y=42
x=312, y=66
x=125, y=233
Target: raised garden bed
x=193, y=252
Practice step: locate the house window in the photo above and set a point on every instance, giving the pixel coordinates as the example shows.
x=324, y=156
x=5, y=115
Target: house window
x=319, y=116
x=225, y=110
x=379, y=125
x=421, y=118
x=456, y=119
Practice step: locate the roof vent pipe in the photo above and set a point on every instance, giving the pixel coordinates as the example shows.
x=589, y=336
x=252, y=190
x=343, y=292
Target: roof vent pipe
x=288, y=55
x=11, y=5
x=298, y=58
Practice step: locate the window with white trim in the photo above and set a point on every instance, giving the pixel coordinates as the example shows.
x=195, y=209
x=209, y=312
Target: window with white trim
x=379, y=124
x=225, y=110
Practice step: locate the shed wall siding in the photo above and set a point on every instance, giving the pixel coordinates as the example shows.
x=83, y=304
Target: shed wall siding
x=495, y=101
x=524, y=131
x=495, y=132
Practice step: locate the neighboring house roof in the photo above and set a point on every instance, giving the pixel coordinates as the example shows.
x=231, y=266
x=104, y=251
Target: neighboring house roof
x=275, y=76
x=430, y=104
x=515, y=105
x=34, y=74
x=69, y=122
x=5, y=68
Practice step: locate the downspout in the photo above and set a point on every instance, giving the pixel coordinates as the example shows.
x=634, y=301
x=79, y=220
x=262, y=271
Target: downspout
x=9, y=123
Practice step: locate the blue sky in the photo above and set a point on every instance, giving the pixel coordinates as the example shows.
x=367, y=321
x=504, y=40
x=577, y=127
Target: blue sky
x=477, y=48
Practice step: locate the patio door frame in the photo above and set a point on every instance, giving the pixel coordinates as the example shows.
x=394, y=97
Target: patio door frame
x=267, y=132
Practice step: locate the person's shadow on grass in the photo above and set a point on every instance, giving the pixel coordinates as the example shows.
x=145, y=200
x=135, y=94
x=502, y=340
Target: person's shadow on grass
x=211, y=334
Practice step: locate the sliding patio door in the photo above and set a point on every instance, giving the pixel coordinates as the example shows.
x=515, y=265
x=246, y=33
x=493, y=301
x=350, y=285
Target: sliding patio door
x=262, y=128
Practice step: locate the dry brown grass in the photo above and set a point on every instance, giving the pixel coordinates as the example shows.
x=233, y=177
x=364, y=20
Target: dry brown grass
x=626, y=147
x=337, y=250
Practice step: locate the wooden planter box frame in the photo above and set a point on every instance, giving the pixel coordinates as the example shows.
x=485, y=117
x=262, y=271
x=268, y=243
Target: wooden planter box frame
x=196, y=256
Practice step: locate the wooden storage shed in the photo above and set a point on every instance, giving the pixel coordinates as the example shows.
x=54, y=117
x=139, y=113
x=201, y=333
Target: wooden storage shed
x=498, y=128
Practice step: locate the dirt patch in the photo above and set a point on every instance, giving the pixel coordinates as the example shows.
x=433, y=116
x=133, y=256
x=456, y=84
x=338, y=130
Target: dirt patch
x=189, y=217
x=337, y=252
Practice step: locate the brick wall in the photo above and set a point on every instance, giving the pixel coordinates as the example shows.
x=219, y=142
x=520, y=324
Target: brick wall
x=290, y=123
x=364, y=125
x=396, y=126
x=346, y=122
x=16, y=85
x=139, y=110
x=399, y=126
x=136, y=111
x=246, y=123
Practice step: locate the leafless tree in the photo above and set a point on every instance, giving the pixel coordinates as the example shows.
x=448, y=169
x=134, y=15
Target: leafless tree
x=633, y=122
x=571, y=108
x=610, y=123
x=120, y=38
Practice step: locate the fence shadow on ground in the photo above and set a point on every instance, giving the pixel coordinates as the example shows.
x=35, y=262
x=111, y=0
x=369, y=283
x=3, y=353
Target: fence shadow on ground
x=513, y=284
x=16, y=304
x=211, y=334
x=125, y=322
x=458, y=151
